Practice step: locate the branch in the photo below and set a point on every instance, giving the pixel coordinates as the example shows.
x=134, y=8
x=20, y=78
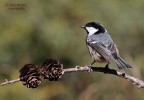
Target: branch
x=9, y=82
x=105, y=70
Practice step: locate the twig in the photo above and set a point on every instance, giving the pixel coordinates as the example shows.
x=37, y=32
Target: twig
x=10, y=82
x=106, y=70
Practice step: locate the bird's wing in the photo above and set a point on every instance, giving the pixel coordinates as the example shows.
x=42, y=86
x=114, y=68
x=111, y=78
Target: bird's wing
x=107, y=51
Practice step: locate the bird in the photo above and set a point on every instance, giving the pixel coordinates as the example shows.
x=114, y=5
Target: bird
x=101, y=46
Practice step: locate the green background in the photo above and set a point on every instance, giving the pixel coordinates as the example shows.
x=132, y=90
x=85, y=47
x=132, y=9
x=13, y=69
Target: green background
x=51, y=29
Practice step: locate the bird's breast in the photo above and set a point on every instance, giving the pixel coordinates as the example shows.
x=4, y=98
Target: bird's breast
x=95, y=55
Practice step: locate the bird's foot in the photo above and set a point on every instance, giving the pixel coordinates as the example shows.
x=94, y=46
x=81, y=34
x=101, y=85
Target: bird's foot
x=90, y=68
x=107, y=66
x=92, y=62
x=122, y=72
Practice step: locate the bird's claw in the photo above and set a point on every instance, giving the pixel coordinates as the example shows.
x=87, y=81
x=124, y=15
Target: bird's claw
x=90, y=68
x=122, y=72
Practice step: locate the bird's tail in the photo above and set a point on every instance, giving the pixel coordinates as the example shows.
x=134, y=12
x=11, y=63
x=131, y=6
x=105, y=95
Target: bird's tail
x=122, y=64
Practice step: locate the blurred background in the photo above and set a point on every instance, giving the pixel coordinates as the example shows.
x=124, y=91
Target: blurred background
x=33, y=30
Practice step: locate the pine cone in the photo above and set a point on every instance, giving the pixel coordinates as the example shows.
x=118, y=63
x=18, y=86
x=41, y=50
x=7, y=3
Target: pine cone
x=30, y=76
x=51, y=69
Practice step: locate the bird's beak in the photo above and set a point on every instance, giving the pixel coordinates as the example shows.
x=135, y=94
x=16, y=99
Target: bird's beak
x=82, y=26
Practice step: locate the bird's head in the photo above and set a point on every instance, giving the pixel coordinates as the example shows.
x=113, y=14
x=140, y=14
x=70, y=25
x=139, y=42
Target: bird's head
x=94, y=28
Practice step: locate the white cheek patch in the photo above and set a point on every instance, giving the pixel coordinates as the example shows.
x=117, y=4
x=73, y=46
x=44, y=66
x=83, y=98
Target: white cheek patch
x=91, y=30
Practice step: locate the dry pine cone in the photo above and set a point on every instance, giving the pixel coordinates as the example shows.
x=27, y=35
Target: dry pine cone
x=51, y=69
x=30, y=76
